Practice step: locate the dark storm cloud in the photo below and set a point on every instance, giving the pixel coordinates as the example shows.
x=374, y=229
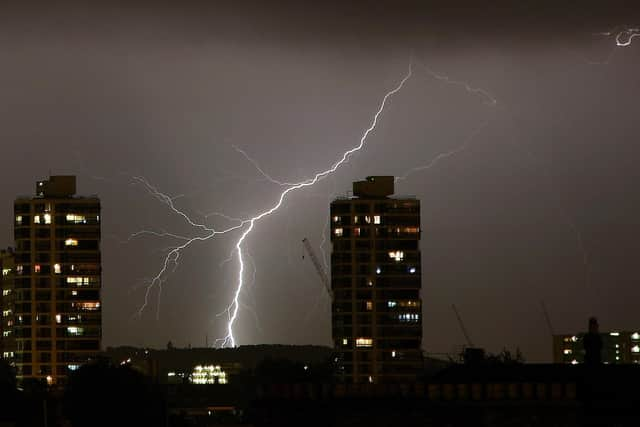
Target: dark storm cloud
x=322, y=22
x=110, y=90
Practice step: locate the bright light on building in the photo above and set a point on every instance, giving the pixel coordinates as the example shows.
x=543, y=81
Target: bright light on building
x=412, y=270
x=364, y=342
x=635, y=336
x=208, y=374
x=76, y=219
x=567, y=351
x=378, y=270
x=574, y=362
x=614, y=334
x=635, y=349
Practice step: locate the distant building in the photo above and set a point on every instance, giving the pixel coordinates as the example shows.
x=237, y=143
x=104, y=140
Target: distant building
x=376, y=282
x=57, y=309
x=618, y=348
x=7, y=337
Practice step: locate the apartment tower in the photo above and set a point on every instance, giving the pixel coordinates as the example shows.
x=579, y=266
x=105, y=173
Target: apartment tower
x=57, y=278
x=376, y=282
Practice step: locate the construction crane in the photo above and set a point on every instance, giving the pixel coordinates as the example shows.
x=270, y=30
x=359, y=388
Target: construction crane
x=546, y=317
x=314, y=259
x=464, y=330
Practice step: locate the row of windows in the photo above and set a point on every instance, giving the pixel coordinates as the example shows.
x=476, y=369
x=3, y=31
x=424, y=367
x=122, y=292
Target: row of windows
x=380, y=232
x=47, y=319
x=59, y=282
x=47, y=219
x=366, y=269
x=92, y=267
x=392, y=206
x=67, y=307
x=387, y=256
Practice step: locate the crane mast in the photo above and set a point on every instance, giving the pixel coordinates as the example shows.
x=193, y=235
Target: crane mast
x=464, y=330
x=316, y=263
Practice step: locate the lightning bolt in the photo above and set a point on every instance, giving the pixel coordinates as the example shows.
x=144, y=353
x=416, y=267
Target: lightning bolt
x=229, y=339
x=245, y=226
x=444, y=155
x=623, y=37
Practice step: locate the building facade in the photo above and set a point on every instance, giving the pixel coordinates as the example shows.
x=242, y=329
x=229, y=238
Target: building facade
x=376, y=282
x=56, y=297
x=618, y=347
x=7, y=338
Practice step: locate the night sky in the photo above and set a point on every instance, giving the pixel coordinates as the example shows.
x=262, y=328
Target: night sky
x=548, y=180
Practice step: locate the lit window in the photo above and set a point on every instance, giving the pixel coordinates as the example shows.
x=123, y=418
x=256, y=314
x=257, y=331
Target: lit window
x=336, y=219
x=36, y=268
x=393, y=353
x=18, y=219
x=6, y=333
x=635, y=336
x=574, y=338
x=356, y=231
x=574, y=362
x=364, y=342
x=614, y=334
x=49, y=380
x=78, y=281
x=71, y=242
x=567, y=351
x=19, y=269
x=75, y=330
x=6, y=292
x=617, y=345
x=47, y=218
x=635, y=349
x=58, y=318
x=89, y=306
x=412, y=270
x=408, y=317
x=411, y=230
x=74, y=293
x=391, y=304
x=76, y=219
x=376, y=219
x=73, y=367
x=338, y=231
x=345, y=341
x=356, y=219
x=378, y=270
x=367, y=219
x=6, y=271
x=370, y=379
x=57, y=268
x=397, y=255
x=369, y=305
x=36, y=219
x=370, y=282
x=209, y=374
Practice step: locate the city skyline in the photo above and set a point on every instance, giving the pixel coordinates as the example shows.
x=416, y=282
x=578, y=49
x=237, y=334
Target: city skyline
x=531, y=198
